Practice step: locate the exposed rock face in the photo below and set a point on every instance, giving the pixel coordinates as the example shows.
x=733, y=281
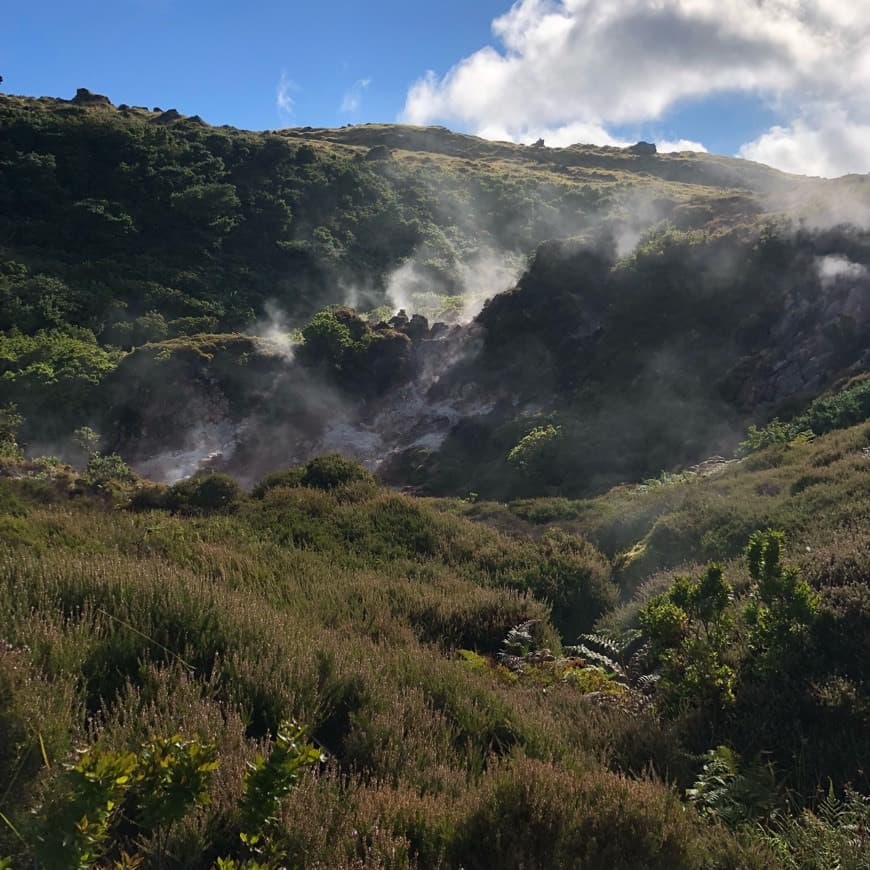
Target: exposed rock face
x=84, y=97
x=821, y=336
x=645, y=148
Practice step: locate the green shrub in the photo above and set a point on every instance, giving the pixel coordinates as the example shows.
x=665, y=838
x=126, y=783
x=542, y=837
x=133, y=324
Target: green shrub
x=10, y=503
x=150, y=496
x=333, y=471
x=534, y=454
x=204, y=494
x=103, y=470
x=575, y=579
x=287, y=477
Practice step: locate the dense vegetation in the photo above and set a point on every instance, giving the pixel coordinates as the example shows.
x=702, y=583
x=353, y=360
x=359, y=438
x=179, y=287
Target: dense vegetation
x=474, y=692
x=141, y=253
x=291, y=664
x=657, y=361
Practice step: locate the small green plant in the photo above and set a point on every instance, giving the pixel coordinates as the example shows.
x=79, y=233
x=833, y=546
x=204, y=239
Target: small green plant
x=333, y=471
x=286, y=477
x=689, y=629
x=105, y=469
x=171, y=776
x=87, y=440
x=731, y=792
x=10, y=425
x=76, y=826
x=782, y=604
x=268, y=781
x=154, y=787
x=837, y=834
x=534, y=450
x=204, y=494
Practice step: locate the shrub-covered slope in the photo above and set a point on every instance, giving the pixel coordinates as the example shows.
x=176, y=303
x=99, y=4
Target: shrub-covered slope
x=430, y=658
x=152, y=268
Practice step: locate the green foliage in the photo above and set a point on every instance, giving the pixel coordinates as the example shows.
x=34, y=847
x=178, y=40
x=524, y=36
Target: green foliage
x=103, y=470
x=204, y=493
x=286, y=477
x=782, y=604
x=87, y=440
x=76, y=824
x=156, y=787
x=534, y=451
x=775, y=432
x=690, y=629
x=730, y=791
x=10, y=425
x=269, y=780
x=574, y=579
x=172, y=775
x=54, y=375
x=327, y=338
x=845, y=408
x=355, y=353
x=835, y=835
x=333, y=471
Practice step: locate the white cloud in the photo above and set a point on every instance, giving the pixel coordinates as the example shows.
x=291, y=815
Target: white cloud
x=565, y=67
x=352, y=100
x=674, y=146
x=828, y=144
x=284, y=102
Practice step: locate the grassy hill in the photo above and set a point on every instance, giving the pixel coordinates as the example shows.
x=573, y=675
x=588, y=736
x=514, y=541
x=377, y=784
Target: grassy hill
x=429, y=656
x=562, y=638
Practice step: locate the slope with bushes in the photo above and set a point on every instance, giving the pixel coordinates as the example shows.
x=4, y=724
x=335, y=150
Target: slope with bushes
x=431, y=659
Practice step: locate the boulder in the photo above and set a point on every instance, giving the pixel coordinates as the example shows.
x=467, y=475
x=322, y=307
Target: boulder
x=84, y=97
x=646, y=148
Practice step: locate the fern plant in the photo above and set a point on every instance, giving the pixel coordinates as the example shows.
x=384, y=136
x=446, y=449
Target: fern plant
x=836, y=835
x=729, y=791
x=626, y=661
x=519, y=641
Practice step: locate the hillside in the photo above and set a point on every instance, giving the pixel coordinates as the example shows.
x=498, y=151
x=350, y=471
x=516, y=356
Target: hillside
x=155, y=272
x=386, y=497
x=424, y=644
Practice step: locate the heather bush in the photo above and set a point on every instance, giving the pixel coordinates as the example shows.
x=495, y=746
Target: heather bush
x=349, y=614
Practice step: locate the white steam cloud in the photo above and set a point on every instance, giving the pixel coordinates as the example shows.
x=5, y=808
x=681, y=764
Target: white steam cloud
x=837, y=267
x=489, y=272
x=276, y=329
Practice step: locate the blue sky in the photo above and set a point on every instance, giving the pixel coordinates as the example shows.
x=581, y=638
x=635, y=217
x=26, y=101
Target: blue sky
x=731, y=75
x=224, y=60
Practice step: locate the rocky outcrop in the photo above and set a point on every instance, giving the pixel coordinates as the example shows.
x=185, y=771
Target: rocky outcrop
x=168, y=117
x=84, y=97
x=643, y=148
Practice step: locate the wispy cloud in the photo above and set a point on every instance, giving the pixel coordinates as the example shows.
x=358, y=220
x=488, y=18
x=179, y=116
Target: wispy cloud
x=284, y=102
x=352, y=100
